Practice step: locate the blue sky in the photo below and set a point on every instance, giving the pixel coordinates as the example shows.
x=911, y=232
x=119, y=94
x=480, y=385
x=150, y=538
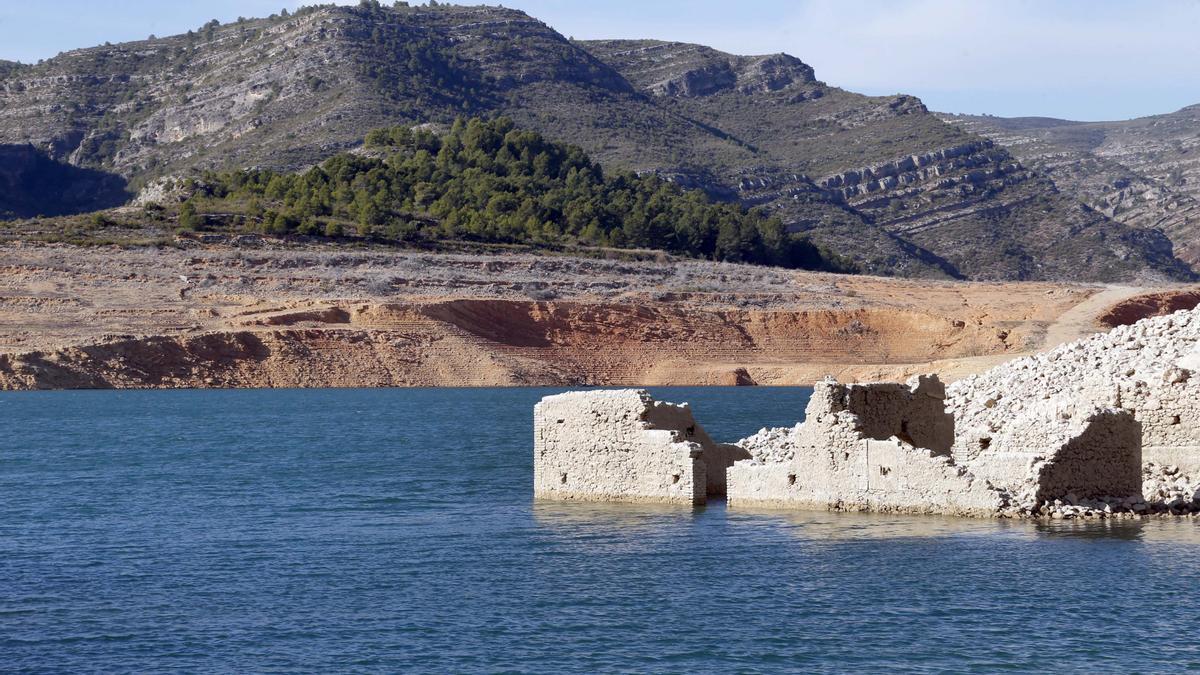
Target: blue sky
x=1098, y=59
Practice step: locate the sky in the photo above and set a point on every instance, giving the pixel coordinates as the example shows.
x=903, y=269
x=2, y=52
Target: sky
x=1076, y=59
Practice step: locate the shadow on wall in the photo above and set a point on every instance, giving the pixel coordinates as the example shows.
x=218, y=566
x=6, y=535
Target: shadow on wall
x=33, y=184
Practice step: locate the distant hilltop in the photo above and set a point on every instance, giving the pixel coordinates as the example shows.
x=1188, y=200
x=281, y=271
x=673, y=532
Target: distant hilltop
x=880, y=180
x=1143, y=172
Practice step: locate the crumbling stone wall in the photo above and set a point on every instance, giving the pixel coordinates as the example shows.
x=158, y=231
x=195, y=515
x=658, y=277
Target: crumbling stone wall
x=624, y=446
x=1169, y=413
x=830, y=461
x=913, y=412
x=1072, y=425
x=1051, y=452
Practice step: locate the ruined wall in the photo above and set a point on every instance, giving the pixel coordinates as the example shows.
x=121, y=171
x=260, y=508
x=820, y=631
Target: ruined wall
x=846, y=472
x=624, y=446
x=1056, y=449
x=829, y=462
x=1169, y=413
x=1068, y=425
x=1103, y=460
x=914, y=412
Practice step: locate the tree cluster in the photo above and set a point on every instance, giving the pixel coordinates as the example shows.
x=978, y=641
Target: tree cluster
x=487, y=181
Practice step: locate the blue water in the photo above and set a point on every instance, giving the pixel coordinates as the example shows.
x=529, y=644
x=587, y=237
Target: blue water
x=393, y=530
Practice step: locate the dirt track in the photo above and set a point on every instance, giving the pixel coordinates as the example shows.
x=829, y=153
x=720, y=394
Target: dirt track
x=235, y=317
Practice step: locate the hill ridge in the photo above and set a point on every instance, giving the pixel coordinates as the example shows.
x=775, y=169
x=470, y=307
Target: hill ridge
x=287, y=92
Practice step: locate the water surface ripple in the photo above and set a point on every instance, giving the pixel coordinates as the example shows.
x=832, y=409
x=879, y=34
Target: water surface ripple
x=393, y=530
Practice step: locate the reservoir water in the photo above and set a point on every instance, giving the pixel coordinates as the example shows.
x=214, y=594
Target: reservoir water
x=393, y=530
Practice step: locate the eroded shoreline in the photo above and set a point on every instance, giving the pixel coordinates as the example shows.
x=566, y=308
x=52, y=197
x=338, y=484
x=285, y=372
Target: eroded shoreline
x=274, y=315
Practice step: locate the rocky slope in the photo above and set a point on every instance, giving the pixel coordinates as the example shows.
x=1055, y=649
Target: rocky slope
x=1143, y=172
x=877, y=178
x=251, y=313
x=957, y=202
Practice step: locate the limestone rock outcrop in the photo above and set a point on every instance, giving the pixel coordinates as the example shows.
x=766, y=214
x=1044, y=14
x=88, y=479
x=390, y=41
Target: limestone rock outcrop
x=1143, y=172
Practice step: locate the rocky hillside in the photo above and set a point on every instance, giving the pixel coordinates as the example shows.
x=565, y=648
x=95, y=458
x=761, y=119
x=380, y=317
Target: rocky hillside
x=1143, y=172
x=879, y=179
x=882, y=173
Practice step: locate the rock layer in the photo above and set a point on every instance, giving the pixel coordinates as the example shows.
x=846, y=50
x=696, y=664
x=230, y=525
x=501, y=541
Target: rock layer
x=1142, y=172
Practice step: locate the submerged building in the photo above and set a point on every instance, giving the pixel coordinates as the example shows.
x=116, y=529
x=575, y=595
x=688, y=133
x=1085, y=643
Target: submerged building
x=625, y=446
x=1071, y=425
x=890, y=448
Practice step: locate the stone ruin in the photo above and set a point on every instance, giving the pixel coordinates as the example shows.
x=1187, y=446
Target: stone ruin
x=1059, y=434
x=889, y=448
x=855, y=451
x=625, y=446
x=862, y=447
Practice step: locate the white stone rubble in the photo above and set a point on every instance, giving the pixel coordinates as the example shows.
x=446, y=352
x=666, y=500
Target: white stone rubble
x=1146, y=368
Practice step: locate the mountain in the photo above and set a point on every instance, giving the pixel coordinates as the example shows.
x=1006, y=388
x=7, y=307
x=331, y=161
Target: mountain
x=1143, y=172
x=878, y=179
x=955, y=198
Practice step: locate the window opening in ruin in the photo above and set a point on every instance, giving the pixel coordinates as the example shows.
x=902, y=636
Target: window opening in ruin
x=1175, y=420
x=563, y=479
x=791, y=479
x=985, y=443
x=675, y=478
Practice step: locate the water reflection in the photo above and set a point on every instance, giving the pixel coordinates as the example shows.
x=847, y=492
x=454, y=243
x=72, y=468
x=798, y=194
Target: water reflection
x=645, y=523
x=825, y=525
x=1171, y=531
x=1174, y=531
x=616, y=516
x=1131, y=530
x=611, y=528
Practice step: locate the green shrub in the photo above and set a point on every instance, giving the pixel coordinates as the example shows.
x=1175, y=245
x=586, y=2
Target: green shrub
x=188, y=218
